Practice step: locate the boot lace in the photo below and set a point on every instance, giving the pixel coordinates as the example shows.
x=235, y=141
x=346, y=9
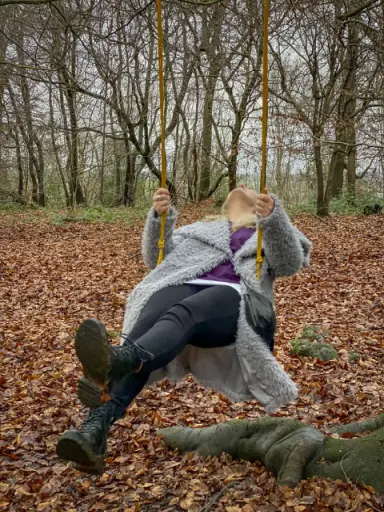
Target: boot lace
x=98, y=420
x=130, y=348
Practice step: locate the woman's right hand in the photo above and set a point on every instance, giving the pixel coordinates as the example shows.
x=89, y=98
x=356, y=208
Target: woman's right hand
x=161, y=201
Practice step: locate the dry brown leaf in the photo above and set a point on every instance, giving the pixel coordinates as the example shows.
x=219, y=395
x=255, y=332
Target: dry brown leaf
x=52, y=277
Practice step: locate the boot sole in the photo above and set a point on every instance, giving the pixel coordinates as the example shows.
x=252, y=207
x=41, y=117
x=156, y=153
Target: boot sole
x=93, y=350
x=90, y=394
x=72, y=446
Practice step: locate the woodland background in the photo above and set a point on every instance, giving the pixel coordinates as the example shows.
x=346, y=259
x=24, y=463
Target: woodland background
x=79, y=106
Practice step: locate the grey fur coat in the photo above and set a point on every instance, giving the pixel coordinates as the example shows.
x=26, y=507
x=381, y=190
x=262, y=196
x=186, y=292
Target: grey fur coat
x=247, y=369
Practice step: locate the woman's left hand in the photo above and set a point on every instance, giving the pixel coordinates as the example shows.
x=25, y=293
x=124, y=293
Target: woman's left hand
x=264, y=204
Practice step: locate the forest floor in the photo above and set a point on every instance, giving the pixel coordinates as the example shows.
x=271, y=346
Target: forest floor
x=52, y=277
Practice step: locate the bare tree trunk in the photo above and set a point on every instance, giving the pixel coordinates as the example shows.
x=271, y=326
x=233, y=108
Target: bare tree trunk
x=40, y=172
x=38, y=195
x=176, y=151
x=20, y=187
x=68, y=142
x=3, y=50
x=3, y=75
x=247, y=56
x=232, y=166
x=102, y=164
x=350, y=108
x=344, y=153
x=74, y=186
x=351, y=164
x=194, y=176
x=337, y=163
x=322, y=202
x=279, y=172
x=56, y=149
x=337, y=166
x=206, y=140
x=291, y=449
x=129, y=180
x=35, y=197
x=28, y=141
x=212, y=45
x=76, y=192
x=117, y=159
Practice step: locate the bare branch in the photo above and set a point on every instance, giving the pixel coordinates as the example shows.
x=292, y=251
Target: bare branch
x=358, y=10
x=25, y=2
x=202, y=4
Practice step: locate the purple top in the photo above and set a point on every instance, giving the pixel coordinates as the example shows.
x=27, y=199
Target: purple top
x=225, y=271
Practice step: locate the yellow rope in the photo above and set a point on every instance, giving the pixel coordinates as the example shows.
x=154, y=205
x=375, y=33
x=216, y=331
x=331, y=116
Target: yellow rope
x=162, y=123
x=259, y=258
x=264, y=122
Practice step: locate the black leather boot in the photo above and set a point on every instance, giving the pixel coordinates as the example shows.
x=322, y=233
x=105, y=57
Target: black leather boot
x=103, y=362
x=90, y=394
x=87, y=445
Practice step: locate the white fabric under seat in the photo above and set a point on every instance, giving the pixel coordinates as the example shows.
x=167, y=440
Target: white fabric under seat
x=231, y=381
x=211, y=282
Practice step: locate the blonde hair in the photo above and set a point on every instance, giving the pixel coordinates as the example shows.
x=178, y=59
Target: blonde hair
x=248, y=220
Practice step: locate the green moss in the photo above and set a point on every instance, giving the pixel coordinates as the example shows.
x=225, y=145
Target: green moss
x=354, y=357
x=113, y=334
x=360, y=460
x=314, y=333
x=80, y=214
x=308, y=348
x=311, y=344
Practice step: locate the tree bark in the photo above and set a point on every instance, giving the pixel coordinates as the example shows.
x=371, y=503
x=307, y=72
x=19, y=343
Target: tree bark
x=214, y=57
x=40, y=172
x=38, y=194
x=68, y=77
x=102, y=164
x=350, y=108
x=117, y=153
x=337, y=164
x=322, y=203
x=291, y=449
x=56, y=149
x=3, y=75
x=129, y=180
x=20, y=187
x=27, y=135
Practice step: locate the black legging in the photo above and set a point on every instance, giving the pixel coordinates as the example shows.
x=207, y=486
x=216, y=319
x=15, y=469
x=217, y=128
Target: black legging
x=203, y=316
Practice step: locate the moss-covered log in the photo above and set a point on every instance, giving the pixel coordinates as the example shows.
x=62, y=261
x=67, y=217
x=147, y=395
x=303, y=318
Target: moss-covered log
x=291, y=449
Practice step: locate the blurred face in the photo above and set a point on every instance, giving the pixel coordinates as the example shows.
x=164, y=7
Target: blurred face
x=242, y=195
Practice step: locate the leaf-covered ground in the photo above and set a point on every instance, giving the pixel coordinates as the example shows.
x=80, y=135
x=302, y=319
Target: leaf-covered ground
x=52, y=277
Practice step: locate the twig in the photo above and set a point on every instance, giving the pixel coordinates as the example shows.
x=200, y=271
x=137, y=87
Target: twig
x=374, y=508
x=219, y=495
x=324, y=221
x=131, y=256
x=347, y=479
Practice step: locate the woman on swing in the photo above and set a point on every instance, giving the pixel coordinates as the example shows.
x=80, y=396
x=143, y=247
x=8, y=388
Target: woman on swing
x=189, y=315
